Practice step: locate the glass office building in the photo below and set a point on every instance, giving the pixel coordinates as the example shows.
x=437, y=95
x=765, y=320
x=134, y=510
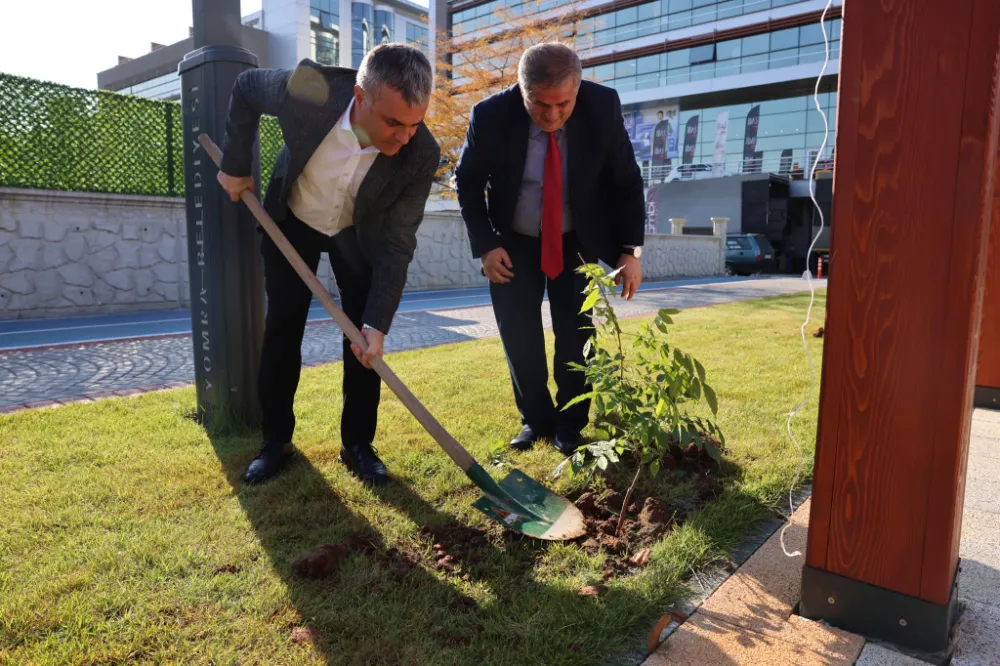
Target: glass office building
x=324, y=28
x=373, y=24
x=336, y=33
x=724, y=86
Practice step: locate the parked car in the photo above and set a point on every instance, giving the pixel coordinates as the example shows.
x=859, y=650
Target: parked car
x=694, y=172
x=747, y=254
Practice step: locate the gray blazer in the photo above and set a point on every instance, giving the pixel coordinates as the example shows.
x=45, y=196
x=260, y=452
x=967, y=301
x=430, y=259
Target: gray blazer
x=389, y=207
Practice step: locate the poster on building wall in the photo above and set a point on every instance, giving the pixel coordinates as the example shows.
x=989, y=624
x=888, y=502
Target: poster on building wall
x=690, y=139
x=750, y=162
x=660, y=142
x=654, y=131
x=721, y=134
x=628, y=118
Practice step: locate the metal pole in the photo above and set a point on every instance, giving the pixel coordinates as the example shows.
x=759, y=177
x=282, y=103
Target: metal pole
x=227, y=292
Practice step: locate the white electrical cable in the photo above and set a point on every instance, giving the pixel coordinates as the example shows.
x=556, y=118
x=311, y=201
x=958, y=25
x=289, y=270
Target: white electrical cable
x=808, y=276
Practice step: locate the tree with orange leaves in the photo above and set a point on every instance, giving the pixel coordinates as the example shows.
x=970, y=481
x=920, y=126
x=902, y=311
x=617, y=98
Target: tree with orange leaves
x=471, y=68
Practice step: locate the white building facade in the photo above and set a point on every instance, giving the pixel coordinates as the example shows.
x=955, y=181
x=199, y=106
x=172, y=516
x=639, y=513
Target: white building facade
x=340, y=32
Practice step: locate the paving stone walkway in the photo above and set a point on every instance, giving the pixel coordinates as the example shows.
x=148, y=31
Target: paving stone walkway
x=748, y=618
x=37, y=377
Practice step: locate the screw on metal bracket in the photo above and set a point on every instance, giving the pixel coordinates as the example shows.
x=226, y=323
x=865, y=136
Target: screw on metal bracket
x=831, y=601
x=902, y=623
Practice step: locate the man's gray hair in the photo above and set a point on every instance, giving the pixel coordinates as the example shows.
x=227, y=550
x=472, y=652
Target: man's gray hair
x=546, y=65
x=399, y=66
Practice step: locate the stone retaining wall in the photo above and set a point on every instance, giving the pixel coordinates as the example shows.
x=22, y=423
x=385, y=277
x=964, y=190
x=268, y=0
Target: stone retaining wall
x=74, y=253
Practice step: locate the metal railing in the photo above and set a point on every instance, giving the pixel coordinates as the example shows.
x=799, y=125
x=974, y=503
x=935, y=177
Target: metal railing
x=794, y=169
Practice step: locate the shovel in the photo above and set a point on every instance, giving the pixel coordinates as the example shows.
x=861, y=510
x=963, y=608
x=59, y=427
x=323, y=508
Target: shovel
x=518, y=501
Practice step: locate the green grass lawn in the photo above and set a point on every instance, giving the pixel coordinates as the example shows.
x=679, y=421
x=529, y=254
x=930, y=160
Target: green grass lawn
x=125, y=536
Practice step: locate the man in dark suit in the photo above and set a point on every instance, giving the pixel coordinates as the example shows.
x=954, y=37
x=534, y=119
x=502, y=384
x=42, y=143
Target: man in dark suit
x=351, y=180
x=562, y=183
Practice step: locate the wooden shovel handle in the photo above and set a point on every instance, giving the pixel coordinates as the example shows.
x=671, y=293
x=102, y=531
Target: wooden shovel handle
x=450, y=445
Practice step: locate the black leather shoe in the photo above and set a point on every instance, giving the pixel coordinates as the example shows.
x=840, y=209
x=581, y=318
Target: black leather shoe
x=364, y=464
x=567, y=442
x=527, y=438
x=268, y=464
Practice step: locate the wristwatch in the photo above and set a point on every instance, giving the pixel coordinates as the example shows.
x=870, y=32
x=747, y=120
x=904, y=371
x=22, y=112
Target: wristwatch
x=634, y=250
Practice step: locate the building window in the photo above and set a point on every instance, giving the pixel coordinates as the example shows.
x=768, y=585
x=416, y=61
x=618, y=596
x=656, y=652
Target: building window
x=417, y=36
x=756, y=53
x=326, y=13
x=325, y=47
x=383, y=25
x=165, y=87
x=362, y=19
x=789, y=132
x=703, y=53
x=645, y=19
x=324, y=38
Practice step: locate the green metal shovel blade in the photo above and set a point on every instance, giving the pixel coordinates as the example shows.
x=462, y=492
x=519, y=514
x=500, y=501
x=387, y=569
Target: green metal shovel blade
x=522, y=504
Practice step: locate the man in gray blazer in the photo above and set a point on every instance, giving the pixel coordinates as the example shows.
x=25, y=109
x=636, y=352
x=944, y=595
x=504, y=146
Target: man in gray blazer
x=351, y=180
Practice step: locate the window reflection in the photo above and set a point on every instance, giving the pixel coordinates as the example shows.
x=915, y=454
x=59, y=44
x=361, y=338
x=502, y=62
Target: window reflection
x=647, y=18
x=756, y=53
x=789, y=130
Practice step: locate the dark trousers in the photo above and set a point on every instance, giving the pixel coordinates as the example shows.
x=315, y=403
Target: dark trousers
x=288, y=301
x=517, y=306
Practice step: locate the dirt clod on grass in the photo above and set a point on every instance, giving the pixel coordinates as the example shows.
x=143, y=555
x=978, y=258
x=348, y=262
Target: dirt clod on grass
x=456, y=549
x=228, y=568
x=463, y=604
x=603, y=535
x=361, y=544
x=399, y=562
x=587, y=502
x=641, y=558
x=305, y=635
x=654, y=512
x=456, y=545
x=591, y=590
x=451, y=639
x=321, y=562
x=645, y=519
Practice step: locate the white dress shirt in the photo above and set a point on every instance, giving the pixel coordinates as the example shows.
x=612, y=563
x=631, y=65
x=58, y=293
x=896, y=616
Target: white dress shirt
x=323, y=194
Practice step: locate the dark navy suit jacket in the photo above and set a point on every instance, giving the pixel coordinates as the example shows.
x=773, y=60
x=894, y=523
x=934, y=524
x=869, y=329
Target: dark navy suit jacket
x=308, y=101
x=605, y=183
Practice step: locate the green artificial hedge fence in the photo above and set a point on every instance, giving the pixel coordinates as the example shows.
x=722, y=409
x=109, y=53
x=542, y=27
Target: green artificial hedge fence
x=54, y=137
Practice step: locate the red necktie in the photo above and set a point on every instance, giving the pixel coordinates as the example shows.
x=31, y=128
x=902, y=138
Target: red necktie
x=552, y=211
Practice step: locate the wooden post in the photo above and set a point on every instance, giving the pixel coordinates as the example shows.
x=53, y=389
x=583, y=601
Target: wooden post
x=988, y=373
x=916, y=141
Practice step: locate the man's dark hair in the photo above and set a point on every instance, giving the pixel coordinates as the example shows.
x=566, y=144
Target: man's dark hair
x=547, y=65
x=401, y=67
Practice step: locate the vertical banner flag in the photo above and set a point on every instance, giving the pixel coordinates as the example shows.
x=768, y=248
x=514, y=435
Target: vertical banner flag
x=651, y=221
x=690, y=140
x=750, y=142
x=661, y=142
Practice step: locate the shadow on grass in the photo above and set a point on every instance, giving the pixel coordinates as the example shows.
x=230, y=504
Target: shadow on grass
x=381, y=610
x=496, y=604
